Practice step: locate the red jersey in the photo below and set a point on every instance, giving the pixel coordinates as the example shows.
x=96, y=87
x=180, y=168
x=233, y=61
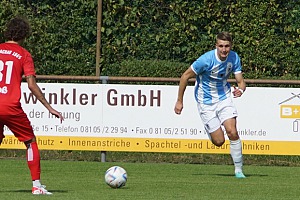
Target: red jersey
x=15, y=61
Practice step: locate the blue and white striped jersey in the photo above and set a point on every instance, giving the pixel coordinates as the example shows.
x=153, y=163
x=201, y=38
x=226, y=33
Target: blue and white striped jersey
x=211, y=81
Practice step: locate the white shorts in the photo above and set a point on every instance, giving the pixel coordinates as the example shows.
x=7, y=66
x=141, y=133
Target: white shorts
x=215, y=114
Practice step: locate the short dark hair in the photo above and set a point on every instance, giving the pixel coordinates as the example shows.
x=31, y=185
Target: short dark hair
x=17, y=29
x=224, y=36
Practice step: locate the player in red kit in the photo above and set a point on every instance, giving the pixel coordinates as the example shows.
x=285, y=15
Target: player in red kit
x=16, y=62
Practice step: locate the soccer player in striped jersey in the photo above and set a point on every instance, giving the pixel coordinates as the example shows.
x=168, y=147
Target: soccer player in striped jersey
x=213, y=95
x=15, y=61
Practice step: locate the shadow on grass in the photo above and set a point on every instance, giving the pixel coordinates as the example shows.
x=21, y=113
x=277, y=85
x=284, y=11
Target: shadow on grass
x=247, y=175
x=232, y=175
x=122, y=188
x=29, y=191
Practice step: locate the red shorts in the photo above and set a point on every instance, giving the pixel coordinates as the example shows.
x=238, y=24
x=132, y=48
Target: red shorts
x=19, y=125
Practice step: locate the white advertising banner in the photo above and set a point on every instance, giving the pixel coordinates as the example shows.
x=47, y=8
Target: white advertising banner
x=115, y=117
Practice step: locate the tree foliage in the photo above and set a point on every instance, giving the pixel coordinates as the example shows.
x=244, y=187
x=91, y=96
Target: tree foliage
x=266, y=34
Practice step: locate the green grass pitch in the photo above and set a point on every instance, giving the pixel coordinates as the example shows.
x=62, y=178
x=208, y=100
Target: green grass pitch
x=85, y=180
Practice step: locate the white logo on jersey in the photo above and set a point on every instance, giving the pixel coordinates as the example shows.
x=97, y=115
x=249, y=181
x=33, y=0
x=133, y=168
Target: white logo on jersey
x=214, y=71
x=229, y=68
x=3, y=90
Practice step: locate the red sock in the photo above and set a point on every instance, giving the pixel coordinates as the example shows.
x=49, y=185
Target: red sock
x=33, y=160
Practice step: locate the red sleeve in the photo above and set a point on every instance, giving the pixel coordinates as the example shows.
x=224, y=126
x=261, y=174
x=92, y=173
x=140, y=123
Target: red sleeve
x=28, y=66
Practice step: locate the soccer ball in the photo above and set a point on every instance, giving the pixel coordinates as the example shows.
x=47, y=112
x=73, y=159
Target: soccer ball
x=116, y=177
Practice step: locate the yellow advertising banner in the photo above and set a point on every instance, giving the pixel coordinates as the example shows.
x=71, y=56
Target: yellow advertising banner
x=153, y=145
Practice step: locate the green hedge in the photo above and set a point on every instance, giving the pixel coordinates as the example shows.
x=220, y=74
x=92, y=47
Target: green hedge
x=142, y=68
x=266, y=35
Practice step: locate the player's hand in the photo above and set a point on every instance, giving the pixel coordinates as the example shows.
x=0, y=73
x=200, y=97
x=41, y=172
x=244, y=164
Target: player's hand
x=178, y=107
x=57, y=114
x=237, y=92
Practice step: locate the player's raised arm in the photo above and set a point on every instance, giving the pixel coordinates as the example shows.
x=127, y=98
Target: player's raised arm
x=189, y=73
x=35, y=89
x=238, y=91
